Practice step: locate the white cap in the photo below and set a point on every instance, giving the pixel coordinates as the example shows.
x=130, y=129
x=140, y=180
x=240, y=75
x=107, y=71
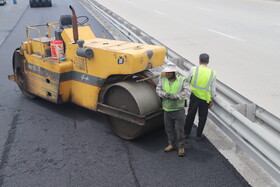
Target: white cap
x=170, y=67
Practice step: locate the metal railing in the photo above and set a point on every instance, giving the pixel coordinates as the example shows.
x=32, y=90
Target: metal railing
x=254, y=129
x=36, y=28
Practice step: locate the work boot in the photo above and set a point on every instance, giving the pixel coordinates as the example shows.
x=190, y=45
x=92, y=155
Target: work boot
x=181, y=152
x=199, y=138
x=169, y=148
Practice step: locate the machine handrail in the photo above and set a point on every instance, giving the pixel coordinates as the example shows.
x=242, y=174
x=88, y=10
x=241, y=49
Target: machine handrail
x=35, y=27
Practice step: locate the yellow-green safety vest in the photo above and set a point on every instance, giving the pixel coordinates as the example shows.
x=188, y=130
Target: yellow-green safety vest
x=174, y=88
x=201, y=83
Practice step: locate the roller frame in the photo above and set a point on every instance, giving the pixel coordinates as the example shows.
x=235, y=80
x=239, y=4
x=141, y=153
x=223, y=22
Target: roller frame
x=127, y=116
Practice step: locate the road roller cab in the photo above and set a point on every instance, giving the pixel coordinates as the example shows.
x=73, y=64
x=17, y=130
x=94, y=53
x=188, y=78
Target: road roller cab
x=108, y=76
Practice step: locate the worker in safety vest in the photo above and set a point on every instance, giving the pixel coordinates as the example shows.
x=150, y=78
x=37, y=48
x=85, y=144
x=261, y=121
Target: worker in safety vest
x=202, y=82
x=172, y=88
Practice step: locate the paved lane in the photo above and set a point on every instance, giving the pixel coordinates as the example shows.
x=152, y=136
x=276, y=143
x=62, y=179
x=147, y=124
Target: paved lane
x=43, y=144
x=10, y=14
x=241, y=36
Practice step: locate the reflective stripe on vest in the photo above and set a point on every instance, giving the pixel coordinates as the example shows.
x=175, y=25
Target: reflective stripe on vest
x=202, y=89
x=174, y=88
x=207, y=88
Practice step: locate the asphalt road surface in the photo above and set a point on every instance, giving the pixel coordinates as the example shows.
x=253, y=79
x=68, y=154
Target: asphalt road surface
x=241, y=36
x=44, y=144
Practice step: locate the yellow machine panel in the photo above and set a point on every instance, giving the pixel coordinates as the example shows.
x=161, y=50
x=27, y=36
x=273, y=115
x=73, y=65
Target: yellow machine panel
x=119, y=57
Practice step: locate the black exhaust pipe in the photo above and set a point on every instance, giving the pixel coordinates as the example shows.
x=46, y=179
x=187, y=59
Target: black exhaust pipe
x=74, y=24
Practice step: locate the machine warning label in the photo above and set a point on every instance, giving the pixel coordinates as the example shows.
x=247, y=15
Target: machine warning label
x=80, y=64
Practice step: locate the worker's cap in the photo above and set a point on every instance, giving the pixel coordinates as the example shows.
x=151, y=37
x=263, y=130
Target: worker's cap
x=170, y=67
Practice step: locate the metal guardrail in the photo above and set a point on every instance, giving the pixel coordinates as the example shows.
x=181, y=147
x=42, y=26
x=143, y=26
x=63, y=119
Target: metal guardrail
x=254, y=129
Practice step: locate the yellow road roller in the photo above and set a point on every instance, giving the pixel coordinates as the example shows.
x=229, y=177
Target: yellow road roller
x=108, y=76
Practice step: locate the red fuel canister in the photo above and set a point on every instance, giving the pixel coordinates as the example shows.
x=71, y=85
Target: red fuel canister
x=57, y=49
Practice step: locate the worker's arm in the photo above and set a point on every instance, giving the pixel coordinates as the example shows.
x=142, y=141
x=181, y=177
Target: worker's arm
x=184, y=93
x=213, y=92
x=159, y=90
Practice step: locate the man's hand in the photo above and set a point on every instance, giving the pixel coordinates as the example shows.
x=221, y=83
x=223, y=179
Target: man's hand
x=173, y=96
x=210, y=104
x=166, y=95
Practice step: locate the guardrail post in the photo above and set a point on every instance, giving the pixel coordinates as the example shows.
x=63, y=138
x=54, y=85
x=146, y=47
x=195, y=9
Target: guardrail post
x=247, y=110
x=120, y=20
x=136, y=31
x=146, y=39
x=179, y=62
x=127, y=25
x=241, y=108
x=251, y=112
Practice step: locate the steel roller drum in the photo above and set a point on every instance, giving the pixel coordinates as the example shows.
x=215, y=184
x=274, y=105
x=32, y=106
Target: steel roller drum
x=138, y=98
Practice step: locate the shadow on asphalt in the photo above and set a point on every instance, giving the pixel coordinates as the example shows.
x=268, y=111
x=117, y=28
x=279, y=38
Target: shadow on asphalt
x=69, y=110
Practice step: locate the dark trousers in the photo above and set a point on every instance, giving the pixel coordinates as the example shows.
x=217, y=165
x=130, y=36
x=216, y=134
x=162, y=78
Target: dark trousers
x=202, y=106
x=174, y=127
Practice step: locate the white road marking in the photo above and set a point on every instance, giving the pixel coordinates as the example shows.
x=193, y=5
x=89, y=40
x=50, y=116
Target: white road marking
x=130, y=2
x=206, y=9
x=226, y=35
x=159, y=12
